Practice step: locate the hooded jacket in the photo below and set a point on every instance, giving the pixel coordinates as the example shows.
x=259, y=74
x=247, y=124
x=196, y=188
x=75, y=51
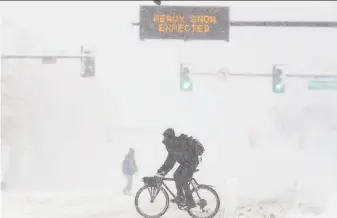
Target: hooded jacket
x=177, y=152
x=129, y=165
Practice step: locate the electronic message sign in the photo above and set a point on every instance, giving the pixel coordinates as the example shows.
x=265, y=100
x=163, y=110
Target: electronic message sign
x=184, y=22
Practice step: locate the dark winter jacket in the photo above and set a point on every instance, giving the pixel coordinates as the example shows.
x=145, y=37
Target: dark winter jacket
x=177, y=152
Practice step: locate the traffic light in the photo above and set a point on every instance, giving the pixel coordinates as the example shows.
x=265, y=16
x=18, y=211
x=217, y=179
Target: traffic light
x=278, y=80
x=185, y=80
x=88, y=66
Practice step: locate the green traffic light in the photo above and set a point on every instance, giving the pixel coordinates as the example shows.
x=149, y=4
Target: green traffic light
x=279, y=88
x=278, y=80
x=186, y=85
x=185, y=80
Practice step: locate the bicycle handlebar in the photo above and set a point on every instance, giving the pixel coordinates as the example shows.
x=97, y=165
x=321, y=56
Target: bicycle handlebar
x=168, y=179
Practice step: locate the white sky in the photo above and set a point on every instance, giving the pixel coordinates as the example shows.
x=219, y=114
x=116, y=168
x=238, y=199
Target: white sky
x=107, y=27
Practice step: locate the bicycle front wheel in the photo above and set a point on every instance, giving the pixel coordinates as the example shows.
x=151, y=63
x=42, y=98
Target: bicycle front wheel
x=207, y=200
x=156, y=199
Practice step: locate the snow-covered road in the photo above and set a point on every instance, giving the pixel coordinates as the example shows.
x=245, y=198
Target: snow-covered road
x=107, y=205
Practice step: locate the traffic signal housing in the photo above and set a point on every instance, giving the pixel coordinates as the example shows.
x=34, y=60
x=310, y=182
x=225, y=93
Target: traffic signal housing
x=88, y=66
x=185, y=79
x=278, y=77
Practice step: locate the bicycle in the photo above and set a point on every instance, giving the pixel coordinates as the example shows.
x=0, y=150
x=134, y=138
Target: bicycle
x=154, y=186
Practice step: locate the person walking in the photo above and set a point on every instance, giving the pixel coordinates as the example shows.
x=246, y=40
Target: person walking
x=129, y=169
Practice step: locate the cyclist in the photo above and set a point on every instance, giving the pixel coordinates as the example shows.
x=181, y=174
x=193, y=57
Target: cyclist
x=178, y=152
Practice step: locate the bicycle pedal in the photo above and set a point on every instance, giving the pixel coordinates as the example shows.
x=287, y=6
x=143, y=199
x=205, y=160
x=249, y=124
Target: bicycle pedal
x=181, y=207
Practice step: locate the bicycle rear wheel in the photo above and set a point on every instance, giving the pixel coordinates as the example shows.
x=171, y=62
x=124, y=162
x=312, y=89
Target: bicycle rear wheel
x=153, y=194
x=202, y=203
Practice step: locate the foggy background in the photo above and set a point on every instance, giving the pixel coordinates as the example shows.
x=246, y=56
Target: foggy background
x=68, y=134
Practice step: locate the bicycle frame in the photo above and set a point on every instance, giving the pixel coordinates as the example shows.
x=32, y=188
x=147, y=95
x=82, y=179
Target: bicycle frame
x=192, y=181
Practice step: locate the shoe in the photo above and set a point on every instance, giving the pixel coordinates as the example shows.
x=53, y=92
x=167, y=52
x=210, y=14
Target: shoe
x=189, y=206
x=176, y=200
x=127, y=193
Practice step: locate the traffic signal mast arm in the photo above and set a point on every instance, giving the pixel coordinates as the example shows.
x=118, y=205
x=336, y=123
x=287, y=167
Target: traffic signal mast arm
x=270, y=75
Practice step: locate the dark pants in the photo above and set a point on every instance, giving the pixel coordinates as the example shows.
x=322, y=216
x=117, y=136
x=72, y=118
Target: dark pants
x=182, y=176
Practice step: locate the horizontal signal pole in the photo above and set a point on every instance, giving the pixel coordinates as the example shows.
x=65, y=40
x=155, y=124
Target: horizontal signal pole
x=251, y=74
x=270, y=75
x=27, y=56
x=204, y=74
x=309, y=24
x=312, y=75
x=287, y=75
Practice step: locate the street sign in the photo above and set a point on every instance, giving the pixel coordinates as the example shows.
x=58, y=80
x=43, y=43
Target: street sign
x=223, y=73
x=49, y=60
x=322, y=84
x=184, y=23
